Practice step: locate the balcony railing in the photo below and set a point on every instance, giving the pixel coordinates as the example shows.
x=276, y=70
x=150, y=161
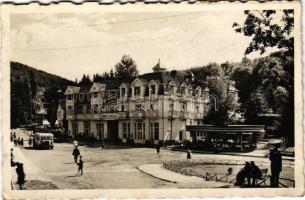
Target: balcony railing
x=152, y=114
x=137, y=114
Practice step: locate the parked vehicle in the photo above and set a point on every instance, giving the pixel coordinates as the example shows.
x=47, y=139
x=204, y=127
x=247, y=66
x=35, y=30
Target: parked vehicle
x=43, y=141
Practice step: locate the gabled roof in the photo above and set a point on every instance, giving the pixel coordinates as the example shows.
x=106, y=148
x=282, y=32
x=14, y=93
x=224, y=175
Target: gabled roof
x=97, y=87
x=72, y=90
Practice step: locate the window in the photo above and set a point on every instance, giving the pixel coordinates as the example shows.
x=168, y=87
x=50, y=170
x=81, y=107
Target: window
x=81, y=96
x=88, y=109
x=79, y=110
x=126, y=129
x=122, y=108
x=139, y=130
x=100, y=130
x=75, y=129
x=184, y=107
x=154, y=130
x=123, y=92
x=137, y=91
x=69, y=97
x=76, y=96
x=87, y=128
x=197, y=108
x=69, y=107
x=152, y=89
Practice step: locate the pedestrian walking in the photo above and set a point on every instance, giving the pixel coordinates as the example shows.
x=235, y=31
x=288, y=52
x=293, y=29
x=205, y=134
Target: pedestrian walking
x=11, y=137
x=18, y=142
x=21, y=143
x=20, y=175
x=255, y=173
x=30, y=141
x=103, y=145
x=12, y=158
x=75, y=153
x=158, y=149
x=188, y=154
x=15, y=142
x=276, y=166
x=80, y=165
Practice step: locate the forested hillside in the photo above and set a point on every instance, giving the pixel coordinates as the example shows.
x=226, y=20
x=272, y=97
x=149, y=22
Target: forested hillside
x=33, y=90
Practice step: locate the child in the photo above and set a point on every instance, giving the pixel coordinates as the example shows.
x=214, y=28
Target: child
x=80, y=165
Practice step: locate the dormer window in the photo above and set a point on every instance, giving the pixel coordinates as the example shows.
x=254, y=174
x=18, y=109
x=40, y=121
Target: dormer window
x=137, y=91
x=123, y=92
x=153, y=89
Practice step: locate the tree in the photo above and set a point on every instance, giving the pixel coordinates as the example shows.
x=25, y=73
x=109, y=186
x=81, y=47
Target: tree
x=265, y=30
x=257, y=104
x=126, y=68
x=219, y=85
x=85, y=80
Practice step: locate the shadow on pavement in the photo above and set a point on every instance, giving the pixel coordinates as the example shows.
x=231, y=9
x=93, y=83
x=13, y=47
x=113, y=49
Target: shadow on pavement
x=71, y=176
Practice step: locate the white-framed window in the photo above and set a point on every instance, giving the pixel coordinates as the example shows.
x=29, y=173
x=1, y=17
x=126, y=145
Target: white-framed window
x=126, y=129
x=139, y=130
x=87, y=127
x=75, y=128
x=69, y=97
x=137, y=91
x=123, y=92
x=183, y=107
x=100, y=130
x=154, y=130
x=153, y=89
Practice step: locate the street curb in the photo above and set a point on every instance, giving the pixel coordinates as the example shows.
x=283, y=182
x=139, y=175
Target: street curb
x=155, y=176
x=228, y=154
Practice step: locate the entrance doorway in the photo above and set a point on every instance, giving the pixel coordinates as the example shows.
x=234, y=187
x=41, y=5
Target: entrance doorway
x=113, y=130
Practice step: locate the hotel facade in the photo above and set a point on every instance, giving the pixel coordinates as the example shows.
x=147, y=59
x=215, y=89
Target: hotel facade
x=149, y=109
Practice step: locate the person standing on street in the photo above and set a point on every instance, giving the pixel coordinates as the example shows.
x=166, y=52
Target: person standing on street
x=30, y=141
x=103, y=145
x=188, y=154
x=276, y=166
x=20, y=175
x=158, y=149
x=21, y=143
x=80, y=165
x=75, y=153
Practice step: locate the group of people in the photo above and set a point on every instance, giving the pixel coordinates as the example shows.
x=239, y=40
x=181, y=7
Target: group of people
x=250, y=172
x=18, y=142
x=80, y=163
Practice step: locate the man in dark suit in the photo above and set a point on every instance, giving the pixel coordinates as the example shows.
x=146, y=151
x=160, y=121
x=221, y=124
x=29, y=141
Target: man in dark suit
x=75, y=153
x=276, y=166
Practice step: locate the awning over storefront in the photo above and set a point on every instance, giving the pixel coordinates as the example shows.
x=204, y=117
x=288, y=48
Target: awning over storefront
x=231, y=129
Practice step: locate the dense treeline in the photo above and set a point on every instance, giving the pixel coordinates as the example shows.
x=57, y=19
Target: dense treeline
x=31, y=90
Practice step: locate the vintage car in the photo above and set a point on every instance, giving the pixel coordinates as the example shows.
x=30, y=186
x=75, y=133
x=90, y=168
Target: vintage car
x=43, y=141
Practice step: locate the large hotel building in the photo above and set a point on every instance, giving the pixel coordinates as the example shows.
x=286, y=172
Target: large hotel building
x=151, y=108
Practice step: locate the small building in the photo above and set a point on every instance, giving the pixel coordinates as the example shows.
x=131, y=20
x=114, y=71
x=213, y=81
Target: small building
x=229, y=137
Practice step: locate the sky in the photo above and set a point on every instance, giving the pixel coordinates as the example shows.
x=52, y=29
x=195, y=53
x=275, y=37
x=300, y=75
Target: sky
x=70, y=45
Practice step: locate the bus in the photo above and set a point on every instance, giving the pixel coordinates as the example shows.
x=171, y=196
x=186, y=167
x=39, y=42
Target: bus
x=43, y=141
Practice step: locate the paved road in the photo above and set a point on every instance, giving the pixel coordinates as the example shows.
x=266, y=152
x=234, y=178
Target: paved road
x=113, y=167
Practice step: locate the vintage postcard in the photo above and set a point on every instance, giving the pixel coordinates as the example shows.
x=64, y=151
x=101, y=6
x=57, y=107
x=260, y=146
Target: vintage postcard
x=152, y=100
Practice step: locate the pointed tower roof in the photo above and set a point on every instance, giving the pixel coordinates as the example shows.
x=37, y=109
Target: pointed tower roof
x=158, y=68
